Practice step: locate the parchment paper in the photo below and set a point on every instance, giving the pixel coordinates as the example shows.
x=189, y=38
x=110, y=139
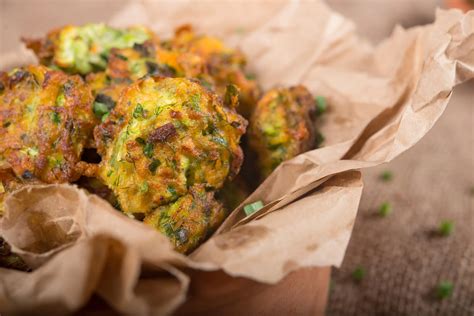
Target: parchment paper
x=382, y=100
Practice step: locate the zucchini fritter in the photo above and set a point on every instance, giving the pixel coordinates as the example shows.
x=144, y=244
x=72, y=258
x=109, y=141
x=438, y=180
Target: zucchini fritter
x=188, y=220
x=46, y=120
x=127, y=65
x=282, y=126
x=164, y=136
x=223, y=64
x=84, y=49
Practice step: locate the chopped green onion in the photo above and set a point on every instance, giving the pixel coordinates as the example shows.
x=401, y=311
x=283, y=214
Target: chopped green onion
x=148, y=150
x=385, y=209
x=444, y=290
x=253, y=207
x=446, y=228
x=358, y=274
x=144, y=187
x=55, y=117
x=138, y=112
x=154, y=165
x=100, y=109
x=321, y=105
x=386, y=176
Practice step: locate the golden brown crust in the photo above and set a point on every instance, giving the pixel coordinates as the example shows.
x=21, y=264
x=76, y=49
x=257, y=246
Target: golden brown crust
x=46, y=119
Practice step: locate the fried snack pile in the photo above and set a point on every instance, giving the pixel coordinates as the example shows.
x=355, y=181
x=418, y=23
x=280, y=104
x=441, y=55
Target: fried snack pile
x=154, y=127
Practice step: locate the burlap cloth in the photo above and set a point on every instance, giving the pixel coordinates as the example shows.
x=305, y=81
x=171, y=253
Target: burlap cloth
x=403, y=258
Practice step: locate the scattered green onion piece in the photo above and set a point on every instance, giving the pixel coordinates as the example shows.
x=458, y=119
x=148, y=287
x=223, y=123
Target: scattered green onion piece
x=253, y=207
x=358, y=274
x=385, y=209
x=444, y=290
x=386, y=176
x=446, y=228
x=321, y=105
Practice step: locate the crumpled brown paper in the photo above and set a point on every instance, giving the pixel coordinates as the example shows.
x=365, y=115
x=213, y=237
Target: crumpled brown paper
x=382, y=98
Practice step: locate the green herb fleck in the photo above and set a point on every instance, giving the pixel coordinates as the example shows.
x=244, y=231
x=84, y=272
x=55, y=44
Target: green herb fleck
x=109, y=173
x=321, y=105
x=253, y=207
x=172, y=191
x=140, y=140
x=138, y=112
x=446, y=228
x=386, y=176
x=194, y=100
x=144, y=187
x=358, y=274
x=105, y=116
x=385, y=209
x=60, y=100
x=100, y=109
x=251, y=76
x=55, y=117
x=154, y=165
x=444, y=290
x=148, y=150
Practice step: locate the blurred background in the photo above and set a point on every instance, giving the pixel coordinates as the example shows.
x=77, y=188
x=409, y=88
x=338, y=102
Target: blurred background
x=412, y=249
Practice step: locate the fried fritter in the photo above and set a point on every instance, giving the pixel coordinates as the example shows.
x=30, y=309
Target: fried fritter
x=188, y=220
x=282, y=126
x=85, y=49
x=224, y=65
x=164, y=136
x=46, y=120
